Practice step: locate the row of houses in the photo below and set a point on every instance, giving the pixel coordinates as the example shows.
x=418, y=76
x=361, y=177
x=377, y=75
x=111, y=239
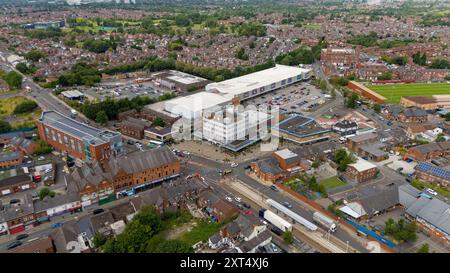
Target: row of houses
x=19, y=147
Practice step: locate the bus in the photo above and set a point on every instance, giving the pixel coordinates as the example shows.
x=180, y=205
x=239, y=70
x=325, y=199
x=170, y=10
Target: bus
x=159, y=143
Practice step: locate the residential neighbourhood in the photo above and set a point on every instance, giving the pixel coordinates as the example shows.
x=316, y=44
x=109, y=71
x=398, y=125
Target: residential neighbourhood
x=307, y=128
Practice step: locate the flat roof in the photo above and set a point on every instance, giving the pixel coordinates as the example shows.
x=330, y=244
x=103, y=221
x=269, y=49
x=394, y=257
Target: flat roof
x=72, y=94
x=362, y=165
x=285, y=153
x=7, y=156
x=189, y=105
x=72, y=127
x=243, y=84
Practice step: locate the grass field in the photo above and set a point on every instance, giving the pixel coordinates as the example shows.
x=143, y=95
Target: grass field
x=311, y=26
x=393, y=92
x=332, y=182
x=25, y=120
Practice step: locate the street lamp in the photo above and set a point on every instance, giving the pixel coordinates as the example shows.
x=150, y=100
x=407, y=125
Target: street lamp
x=346, y=247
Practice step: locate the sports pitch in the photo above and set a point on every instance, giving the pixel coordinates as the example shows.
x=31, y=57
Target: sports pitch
x=393, y=92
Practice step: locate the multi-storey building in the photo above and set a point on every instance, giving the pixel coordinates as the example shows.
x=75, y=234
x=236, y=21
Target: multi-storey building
x=77, y=139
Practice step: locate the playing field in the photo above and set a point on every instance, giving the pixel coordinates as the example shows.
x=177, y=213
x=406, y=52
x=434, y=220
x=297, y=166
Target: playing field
x=393, y=92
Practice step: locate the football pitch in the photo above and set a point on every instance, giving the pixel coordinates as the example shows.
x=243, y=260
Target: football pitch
x=393, y=92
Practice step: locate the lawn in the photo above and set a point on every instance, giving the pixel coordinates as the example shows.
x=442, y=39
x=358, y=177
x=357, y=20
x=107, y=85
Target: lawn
x=22, y=120
x=332, y=182
x=311, y=26
x=393, y=92
x=420, y=184
x=201, y=232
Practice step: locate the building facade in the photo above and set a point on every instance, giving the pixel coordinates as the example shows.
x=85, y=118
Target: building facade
x=76, y=139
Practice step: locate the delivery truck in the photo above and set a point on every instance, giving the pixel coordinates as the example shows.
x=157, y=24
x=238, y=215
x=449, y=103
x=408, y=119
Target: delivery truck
x=325, y=221
x=275, y=220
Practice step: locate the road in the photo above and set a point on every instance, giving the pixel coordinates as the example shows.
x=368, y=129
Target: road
x=240, y=174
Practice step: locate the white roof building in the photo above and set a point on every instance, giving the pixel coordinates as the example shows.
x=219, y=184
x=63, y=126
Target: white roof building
x=192, y=106
x=362, y=165
x=268, y=79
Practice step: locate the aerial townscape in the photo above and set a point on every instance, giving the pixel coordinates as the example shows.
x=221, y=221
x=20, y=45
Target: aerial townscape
x=224, y=126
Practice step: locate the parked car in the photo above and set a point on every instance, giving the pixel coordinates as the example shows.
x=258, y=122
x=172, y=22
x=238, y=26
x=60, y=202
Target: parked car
x=98, y=211
x=41, y=158
x=248, y=212
x=14, y=244
x=228, y=199
x=287, y=205
x=14, y=201
x=431, y=191
x=56, y=225
x=237, y=199
x=234, y=165
x=273, y=187
x=22, y=236
x=245, y=205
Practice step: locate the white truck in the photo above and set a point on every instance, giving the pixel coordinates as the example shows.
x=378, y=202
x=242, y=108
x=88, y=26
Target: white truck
x=275, y=220
x=324, y=221
x=73, y=113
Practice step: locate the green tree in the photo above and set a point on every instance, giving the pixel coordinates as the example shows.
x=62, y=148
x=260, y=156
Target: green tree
x=44, y=192
x=440, y=64
x=288, y=238
x=377, y=108
x=34, y=55
x=323, y=85
x=43, y=148
x=173, y=246
x=419, y=59
x=401, y=231
x=13, y=79
x=159, y=122
x=447, y=117
x=315, y=164
x=351, y=102
x=385, y=76
x=440, y=137
x=425, y=248
x=25, y=107
x=99, y=240
x=4, y=127
x=101, y=117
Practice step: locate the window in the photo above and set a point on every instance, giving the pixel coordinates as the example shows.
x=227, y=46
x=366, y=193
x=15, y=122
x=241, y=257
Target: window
x=299, y=77
x=262, y=89
x=283, y=82
x=254, y=91
x=59, y=138
x=53, y=136
x=289, y=80
x=66, y=141
x=47, y=132
x=79, y=147
x=273, y=85
x=73, y=144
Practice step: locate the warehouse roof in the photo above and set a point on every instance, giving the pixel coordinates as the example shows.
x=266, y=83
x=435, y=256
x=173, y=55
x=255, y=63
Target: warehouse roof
x=246, y=83
x=189, y=105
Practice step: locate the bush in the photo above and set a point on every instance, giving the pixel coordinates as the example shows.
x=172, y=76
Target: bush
x=25, y=107
x=4, y=127
x=44, y=192
x=43, y=148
